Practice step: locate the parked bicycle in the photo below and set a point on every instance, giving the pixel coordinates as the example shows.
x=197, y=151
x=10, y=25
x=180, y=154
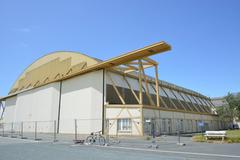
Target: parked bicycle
x=96, y=138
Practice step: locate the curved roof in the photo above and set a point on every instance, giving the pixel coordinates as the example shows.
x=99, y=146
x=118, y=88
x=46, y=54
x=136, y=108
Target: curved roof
x=50, y=68
x=64, y=65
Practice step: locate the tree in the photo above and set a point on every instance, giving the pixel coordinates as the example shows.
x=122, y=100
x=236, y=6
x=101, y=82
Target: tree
x=231, y=110
x=238, y=105
x=234, y=103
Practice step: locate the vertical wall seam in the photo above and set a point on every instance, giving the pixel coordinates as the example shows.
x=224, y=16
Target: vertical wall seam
x=59, y=104
x=103, y=101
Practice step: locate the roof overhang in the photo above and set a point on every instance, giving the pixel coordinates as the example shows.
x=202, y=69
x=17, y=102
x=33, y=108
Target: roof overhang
x=124, y=58
x=128, y=57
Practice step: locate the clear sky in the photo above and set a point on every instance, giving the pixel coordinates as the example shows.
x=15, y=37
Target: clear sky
x=205, y=36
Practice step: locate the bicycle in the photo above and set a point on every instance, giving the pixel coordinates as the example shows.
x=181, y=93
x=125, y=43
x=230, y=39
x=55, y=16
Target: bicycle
x=96, y=137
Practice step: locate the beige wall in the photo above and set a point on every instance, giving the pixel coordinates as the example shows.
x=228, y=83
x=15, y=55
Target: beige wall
x=189, y=120
x=113, y=114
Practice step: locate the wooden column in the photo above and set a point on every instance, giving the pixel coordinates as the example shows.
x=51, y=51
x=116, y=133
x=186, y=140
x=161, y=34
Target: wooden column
x=157, y=85
x=140, y=81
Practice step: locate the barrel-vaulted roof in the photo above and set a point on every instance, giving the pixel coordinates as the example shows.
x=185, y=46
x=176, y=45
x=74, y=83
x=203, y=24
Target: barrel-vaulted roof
x=62, y=65
x=52, y=67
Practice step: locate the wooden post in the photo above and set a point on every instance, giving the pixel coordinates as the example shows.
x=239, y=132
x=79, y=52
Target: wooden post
x=157, y=85
x=146, y=83
x=140, y=82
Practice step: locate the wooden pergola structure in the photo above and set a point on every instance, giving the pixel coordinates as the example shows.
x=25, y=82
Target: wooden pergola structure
x=134, y=66
x=138, y=66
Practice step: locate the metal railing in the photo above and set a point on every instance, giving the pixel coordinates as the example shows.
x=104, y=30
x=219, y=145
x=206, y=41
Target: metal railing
x=64, y=130
x=78, y=129
x=36, y=130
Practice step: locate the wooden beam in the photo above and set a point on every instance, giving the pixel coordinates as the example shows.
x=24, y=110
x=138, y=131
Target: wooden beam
x=140, y=82
x=130, y=66
x=149, y=60
x=136, y=63
x=175, y=110
x=121, y=105
x=142, y=120
x=129, y=70
x=156, y=85
x=124, y=118
x=146, y=83
x=147, y=66
x=125, y=68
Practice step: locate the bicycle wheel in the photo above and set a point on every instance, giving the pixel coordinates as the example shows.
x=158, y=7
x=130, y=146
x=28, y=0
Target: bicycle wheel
x=90, y=140
x=101, y=140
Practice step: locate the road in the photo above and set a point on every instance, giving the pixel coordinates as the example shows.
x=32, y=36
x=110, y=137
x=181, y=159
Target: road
x=131, y=149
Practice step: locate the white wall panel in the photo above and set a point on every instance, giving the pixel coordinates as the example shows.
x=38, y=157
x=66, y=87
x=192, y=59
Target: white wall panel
x=39, y=104
x=9, y=113
x=82, y=98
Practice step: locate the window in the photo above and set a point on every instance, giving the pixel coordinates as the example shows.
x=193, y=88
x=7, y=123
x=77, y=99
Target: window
x=124, y=124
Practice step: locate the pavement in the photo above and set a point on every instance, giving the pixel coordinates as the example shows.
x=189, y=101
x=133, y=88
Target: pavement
x=128, y=148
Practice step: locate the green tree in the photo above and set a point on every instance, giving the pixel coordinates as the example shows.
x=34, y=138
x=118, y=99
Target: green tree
x=234, y=103
x=231, y=110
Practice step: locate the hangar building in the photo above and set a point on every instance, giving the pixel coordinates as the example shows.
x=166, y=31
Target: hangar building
x=115, y=94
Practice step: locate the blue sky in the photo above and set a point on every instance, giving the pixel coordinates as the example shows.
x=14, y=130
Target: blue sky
x=205, y=36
